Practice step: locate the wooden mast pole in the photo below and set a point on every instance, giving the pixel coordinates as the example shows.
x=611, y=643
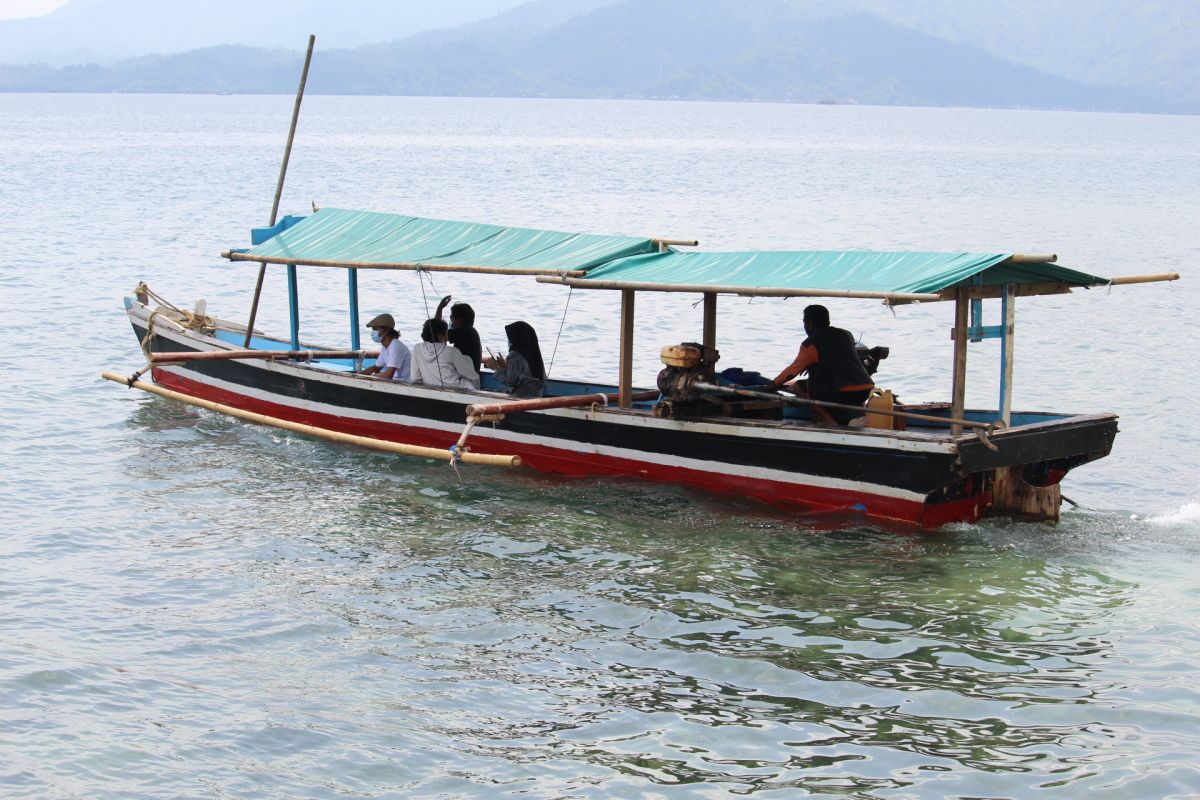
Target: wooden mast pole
x=287, y=154
x=958, y=394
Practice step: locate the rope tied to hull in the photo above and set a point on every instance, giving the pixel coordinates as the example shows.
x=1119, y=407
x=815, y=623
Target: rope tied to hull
x=982, y=435
x=149, y=335
x=188, y=319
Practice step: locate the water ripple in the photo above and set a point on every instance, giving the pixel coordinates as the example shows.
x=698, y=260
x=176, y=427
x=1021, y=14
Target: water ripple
x=191, y=606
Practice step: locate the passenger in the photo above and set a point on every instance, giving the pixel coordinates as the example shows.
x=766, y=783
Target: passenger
x=436, y=363
x=522, y=371
x=394, y=358
x=462, y=330
x=835, y=372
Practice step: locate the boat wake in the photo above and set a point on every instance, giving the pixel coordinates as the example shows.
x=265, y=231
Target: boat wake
x=1187, y=514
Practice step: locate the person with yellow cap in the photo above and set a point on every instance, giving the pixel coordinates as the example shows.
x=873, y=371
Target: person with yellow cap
x=394, y=357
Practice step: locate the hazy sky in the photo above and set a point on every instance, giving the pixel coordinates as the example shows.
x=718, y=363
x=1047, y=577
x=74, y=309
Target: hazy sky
x=81, y=31
x=13, y=9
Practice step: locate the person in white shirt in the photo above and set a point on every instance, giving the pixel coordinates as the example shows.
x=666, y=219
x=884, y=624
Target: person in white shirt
x=436, y=363
x=394, y=358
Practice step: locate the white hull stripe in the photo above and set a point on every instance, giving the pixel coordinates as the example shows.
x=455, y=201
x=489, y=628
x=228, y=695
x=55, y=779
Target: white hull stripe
x=499, y=434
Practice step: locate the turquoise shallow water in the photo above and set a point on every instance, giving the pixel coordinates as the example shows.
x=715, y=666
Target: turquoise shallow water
x=195, y=607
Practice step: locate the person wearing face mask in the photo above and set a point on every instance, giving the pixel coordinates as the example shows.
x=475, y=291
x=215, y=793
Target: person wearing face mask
x=394, y=358
x=522, y=371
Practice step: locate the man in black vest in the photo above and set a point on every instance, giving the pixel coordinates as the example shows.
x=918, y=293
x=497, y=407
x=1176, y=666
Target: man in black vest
x=835, y=372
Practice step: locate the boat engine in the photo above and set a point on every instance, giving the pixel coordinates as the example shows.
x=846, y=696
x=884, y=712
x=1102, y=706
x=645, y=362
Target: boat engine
x=686, y=364
x=871, y=356
x=690, y=363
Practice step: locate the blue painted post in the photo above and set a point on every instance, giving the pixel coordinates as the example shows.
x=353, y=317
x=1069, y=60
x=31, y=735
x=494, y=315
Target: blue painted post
x=293, y=306
x=353, y=285
x=1008, y=308
x=977, y=313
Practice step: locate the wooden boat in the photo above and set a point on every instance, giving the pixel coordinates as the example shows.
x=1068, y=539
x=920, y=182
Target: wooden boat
x=945, y=463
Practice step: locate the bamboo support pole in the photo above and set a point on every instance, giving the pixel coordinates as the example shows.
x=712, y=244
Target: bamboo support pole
x=287, y=154
x=322, y=433
x=266, y=355
x=1036, y=258
x=625, y=380
x=1007, y=353
x=710, y=320
x=958, y=392
x=663, y=244
x=1126, y=280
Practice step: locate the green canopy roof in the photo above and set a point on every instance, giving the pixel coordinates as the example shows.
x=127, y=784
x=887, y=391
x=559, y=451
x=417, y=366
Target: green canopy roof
x=897, y=276
x=334, y=237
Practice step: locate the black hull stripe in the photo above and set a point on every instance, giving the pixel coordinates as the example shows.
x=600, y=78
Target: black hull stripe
x=918, y=472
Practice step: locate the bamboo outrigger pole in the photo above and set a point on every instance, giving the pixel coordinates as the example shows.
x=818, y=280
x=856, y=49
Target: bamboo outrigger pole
x=287, y=154
x=466, y=457
x=540, y=403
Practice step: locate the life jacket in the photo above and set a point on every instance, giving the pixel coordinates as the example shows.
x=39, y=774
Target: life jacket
x=837, y=364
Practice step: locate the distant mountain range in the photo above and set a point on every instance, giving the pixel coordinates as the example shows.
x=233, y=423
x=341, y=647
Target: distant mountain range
x=105, y=31
x=924, y=52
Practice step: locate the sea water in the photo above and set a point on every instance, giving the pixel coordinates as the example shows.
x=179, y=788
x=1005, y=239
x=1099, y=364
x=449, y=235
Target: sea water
x=191, y=606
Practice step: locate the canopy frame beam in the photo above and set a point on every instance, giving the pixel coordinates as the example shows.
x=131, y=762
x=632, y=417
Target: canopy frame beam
x=400, y=265
x=744, y=291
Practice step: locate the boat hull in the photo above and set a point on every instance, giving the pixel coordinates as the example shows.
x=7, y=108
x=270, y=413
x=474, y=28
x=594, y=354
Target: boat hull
x=915, y=479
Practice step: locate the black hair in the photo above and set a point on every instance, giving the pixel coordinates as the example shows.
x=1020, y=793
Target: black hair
x=523, y=339
x=463, y=312
x=432, y=329
x=817, y=316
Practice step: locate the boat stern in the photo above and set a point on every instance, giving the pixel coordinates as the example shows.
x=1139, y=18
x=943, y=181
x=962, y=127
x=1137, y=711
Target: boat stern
x=1022, y=468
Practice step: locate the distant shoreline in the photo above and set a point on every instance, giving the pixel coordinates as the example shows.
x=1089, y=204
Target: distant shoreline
x=747, y=101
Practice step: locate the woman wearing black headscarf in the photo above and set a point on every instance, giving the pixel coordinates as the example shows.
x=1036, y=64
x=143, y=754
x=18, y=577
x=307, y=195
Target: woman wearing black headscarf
x=522, y=371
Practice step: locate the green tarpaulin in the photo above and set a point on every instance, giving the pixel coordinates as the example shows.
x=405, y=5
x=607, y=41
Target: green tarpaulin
x=337, y=237
x=834, y=271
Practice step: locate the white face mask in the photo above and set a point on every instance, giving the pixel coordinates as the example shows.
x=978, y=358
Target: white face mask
x=376, y=336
